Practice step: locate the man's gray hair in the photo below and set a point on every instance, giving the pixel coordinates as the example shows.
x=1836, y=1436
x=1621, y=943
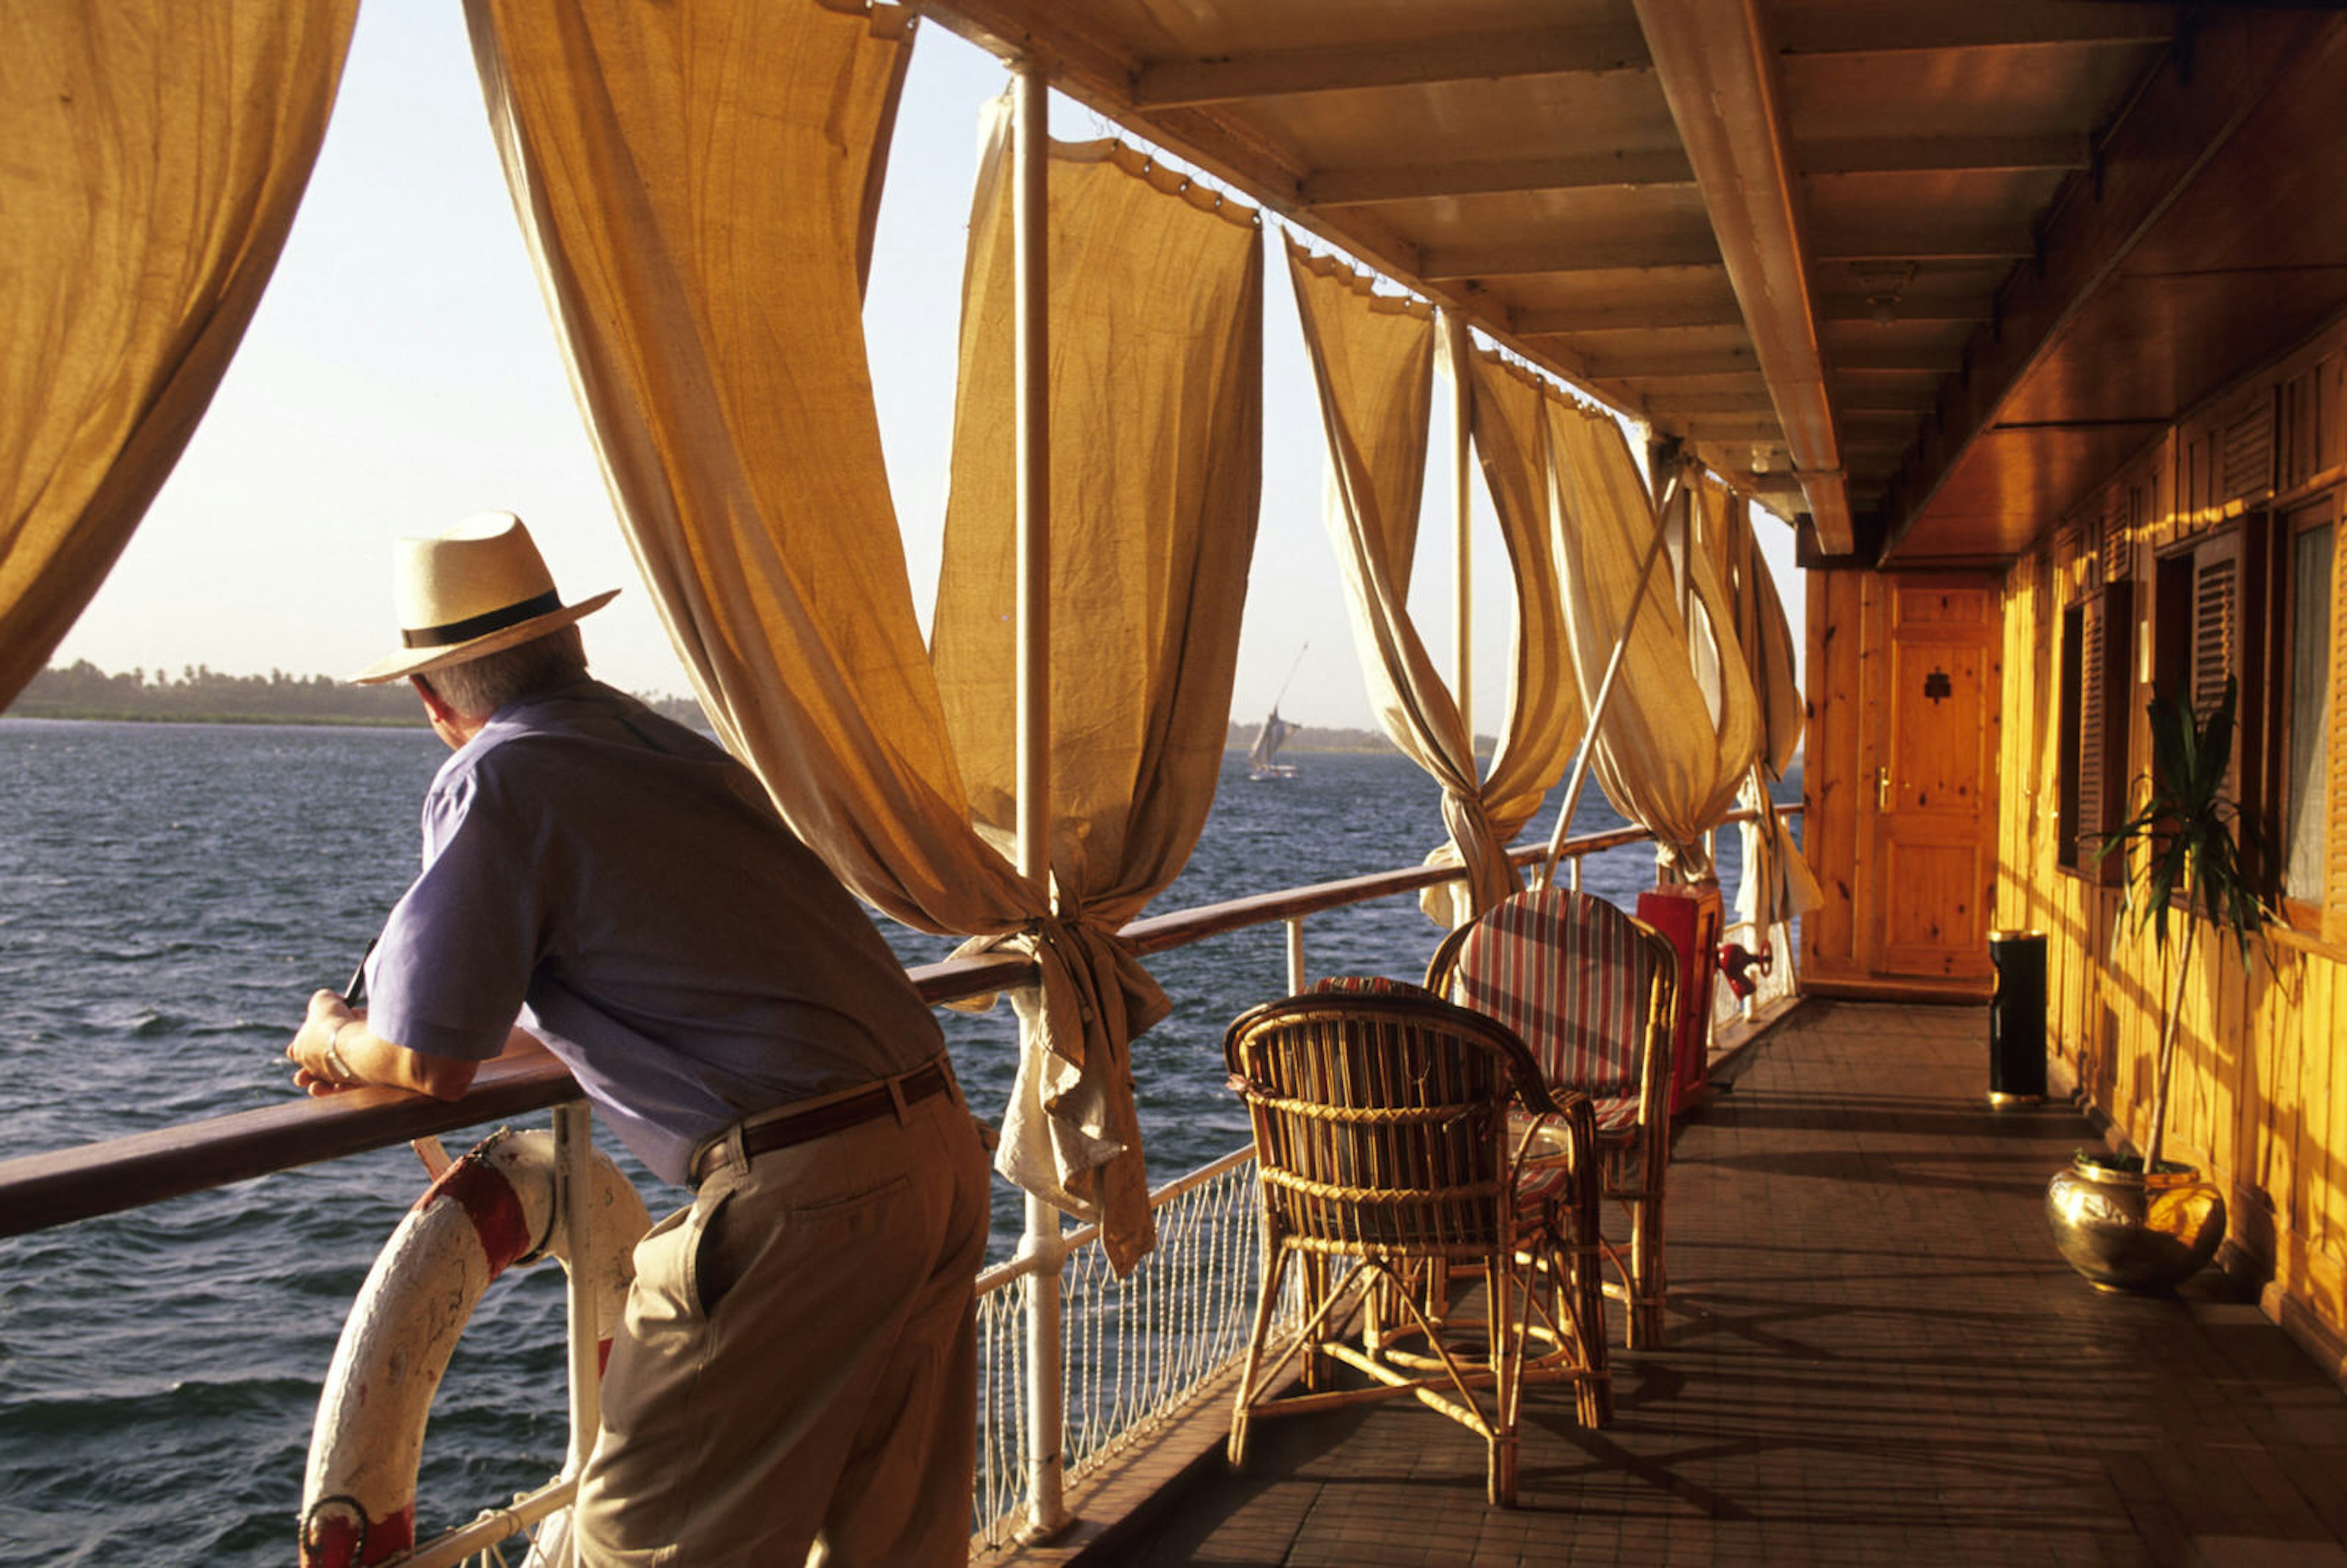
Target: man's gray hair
x=477, y=688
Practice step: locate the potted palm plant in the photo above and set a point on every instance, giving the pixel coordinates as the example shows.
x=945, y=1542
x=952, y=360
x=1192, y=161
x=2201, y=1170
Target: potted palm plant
x=2149, y=1224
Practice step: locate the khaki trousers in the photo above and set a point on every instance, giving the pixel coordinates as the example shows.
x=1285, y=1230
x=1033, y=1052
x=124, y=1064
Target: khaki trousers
x=797, y=1378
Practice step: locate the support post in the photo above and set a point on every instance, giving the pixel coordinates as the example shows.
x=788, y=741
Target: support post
x=573, y=1152
x=1030, y=239
x=1295, y=980
x=1456, y=345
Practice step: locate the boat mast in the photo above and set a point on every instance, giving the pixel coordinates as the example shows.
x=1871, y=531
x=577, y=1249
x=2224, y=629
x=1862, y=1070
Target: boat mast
x=1290, y=681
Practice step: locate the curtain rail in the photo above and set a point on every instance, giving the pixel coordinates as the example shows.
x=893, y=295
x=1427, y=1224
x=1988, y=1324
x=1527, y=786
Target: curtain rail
x=41, y=1191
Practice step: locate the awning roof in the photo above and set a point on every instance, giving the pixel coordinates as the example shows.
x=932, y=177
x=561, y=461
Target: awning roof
x=1924, y=271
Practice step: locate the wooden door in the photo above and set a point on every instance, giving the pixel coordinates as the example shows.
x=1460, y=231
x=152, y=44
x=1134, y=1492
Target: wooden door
x=1900, y=781
x=1932, y=808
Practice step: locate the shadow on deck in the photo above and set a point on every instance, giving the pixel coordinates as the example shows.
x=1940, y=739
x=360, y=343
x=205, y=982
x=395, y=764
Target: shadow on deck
x=1874, y=1355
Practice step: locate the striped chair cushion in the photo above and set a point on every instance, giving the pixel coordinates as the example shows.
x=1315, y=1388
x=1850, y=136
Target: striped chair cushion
x=1568, y=972
x=1540, y=1185
x=1368, y=985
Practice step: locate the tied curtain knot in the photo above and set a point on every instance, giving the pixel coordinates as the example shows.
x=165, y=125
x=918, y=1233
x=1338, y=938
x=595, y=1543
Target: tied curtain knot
x=1070, y=1134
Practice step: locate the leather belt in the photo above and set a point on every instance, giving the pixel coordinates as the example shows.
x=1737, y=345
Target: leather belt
x=821, y=1121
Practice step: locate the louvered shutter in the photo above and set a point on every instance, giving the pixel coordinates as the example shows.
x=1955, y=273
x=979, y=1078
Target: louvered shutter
x=2335, y=894
x=2247, y=458
x=2216, y=629
x=2092, y=821
x=2217, y=572
x=2103, y=765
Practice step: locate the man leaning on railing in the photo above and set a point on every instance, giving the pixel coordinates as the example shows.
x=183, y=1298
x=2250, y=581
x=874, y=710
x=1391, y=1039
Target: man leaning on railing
x=798, y=1364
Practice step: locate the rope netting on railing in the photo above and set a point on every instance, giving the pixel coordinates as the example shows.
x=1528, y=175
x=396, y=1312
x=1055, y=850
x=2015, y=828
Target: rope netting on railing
x=1001, y=1497
x=1139, y=1348
x=1139, y=1352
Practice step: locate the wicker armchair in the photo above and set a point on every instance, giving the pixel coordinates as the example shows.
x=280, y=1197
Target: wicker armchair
x=1385, y=1161
x=1590, y=991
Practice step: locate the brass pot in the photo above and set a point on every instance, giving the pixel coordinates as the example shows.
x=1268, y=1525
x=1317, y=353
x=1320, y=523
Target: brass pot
x=2125, y=1232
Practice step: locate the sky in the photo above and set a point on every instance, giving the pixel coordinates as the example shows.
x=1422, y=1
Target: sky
x=401, y=373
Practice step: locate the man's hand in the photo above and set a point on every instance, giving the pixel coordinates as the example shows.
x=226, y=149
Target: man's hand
x=335, y=1050
x=319, y=1064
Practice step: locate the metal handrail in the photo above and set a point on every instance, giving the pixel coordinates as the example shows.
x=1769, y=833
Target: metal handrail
x=41, y=1191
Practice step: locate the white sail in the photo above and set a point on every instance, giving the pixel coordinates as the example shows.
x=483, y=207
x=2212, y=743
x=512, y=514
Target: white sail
x=1263, y=757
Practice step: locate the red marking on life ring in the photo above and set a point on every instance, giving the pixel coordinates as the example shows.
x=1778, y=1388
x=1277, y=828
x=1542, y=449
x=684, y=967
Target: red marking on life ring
x=493, y=1207
x=388, y=1537
x=339, y=1534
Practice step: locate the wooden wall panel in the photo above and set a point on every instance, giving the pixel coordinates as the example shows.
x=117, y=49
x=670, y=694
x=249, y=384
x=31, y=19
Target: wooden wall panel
x=2260, y=1097
x=1829, y=768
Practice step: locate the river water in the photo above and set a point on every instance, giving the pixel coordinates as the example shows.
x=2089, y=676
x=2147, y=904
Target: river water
x=170, y=895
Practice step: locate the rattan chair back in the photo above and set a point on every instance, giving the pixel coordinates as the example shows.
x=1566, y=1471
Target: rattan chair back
x=1385, y=1161
x=1380, y=1121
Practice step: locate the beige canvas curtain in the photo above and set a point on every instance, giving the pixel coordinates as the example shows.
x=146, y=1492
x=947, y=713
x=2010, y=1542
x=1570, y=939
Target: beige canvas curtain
x=1156, y=319
x=1372, y=360
x=1544, y=718
x=1724, y=534
x=696, y=184
x=153, y=159
x=1683, y=725
x=1776, y=884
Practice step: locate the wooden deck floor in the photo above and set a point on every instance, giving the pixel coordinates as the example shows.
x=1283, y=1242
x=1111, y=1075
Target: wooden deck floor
x=1874, y=1355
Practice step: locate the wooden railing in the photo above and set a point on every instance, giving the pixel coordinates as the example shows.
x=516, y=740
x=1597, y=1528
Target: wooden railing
x=39, y=1192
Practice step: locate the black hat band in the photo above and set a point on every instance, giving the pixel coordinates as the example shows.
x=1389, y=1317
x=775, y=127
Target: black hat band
x=455, y=631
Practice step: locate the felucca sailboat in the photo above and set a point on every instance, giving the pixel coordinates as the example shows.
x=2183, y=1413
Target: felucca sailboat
x=1263, y=757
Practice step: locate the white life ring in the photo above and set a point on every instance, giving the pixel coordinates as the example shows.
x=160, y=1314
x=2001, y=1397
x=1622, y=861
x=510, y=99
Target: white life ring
x=492, y=1208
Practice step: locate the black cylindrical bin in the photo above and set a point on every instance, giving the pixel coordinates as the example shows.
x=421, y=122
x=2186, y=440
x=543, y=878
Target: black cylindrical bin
x=2016, y=1018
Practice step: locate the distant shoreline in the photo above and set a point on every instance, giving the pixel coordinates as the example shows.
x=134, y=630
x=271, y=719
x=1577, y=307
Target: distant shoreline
x=126, y=716
x=1334, y=747
x=202, y=695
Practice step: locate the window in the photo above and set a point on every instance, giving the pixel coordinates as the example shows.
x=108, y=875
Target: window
x=2305, y=709
x=2198, y=611
x=2254, y=603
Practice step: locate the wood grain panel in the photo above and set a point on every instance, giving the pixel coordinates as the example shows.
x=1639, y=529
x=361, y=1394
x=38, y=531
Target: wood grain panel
x=2258, y=1098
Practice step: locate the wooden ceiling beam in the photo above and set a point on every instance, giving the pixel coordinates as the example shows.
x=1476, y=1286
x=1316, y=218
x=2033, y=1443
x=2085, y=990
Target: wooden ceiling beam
x=1673, y=365
x=1691, y=405
x=1415, y=62
x=1086, y=65
x=1918, y=313
x=1924, y=241
x=1896, y=360
x=1502, y=177
x=1871, y=27
x=1658, y=315
x=1863, y=399
x=1743, y=429
x=1584, y=253
x=1943, y=155
x=1718, y=73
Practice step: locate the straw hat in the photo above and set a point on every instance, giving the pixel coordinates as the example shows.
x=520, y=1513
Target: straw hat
x=471, y=589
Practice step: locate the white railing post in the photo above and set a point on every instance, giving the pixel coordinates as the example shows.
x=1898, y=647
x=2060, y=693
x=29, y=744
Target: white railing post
x=1295, y=980
x=574, y=1151
x=1046, y=1460
x=1456, y=346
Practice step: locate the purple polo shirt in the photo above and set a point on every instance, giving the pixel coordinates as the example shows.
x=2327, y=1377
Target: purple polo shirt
x=623, y=887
